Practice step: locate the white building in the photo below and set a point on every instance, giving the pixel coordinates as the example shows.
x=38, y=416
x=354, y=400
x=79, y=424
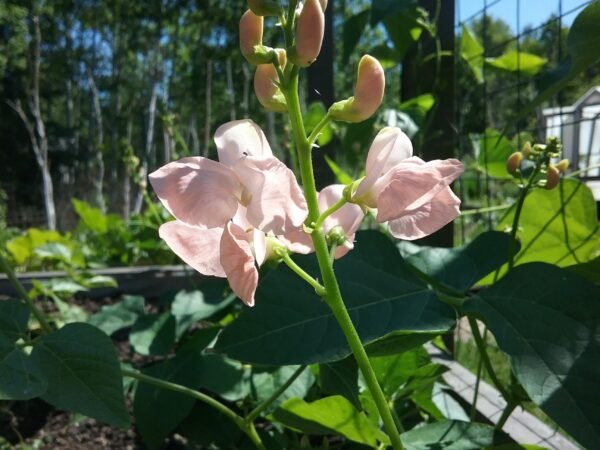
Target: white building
x=578, y=127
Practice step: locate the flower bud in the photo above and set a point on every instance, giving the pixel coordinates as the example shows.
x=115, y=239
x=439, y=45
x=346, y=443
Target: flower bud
x=309, y=34
x=368, y=93
x=514, y=162
x=264, y=7
x=323, y=4
x=251, y=33
x=552, y=177
x=562, y=165
x=266, y=85
x=527, y=150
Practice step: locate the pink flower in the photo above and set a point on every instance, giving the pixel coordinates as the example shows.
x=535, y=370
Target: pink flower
x=224, y=210
x=346, y=220
x=233, y=251
x=412, y=195
x=207, y=194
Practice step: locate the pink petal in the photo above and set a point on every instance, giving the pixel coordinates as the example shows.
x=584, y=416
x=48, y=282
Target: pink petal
x=297, y=241
x=197, y=191
x=411, y=184
x=198, y=247
x=390, y=147
x=276, y=202
x=259, y=244
x=238, y=139
x=427, y=218
x=238, y=262
x=348, y=216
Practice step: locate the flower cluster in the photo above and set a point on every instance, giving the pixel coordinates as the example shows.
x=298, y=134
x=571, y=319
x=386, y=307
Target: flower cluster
x=233, y=215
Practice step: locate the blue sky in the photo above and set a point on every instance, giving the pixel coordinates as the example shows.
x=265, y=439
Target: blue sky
x=532, y=12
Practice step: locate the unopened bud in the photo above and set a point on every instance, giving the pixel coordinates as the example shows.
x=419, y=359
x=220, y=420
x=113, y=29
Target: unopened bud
x=514, y=162
x=562, y=165
x=266, y=85
x=552, y=177
x=337, y=236
x=527, y=150
x=323, y=4
x=251, y=33
x=368, y=93
x=309, y=34
x=264, y=7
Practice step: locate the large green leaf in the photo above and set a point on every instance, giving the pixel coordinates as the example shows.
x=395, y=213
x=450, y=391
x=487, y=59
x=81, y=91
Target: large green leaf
x=330, y=415
x=559, y=226
x=452, y=435
x=403, y=28
x=205, y=425
x=112, y=318
x=20, y=378
x=513, y=61
x=291, y=325
x=153, y=334
x=22, y=247
x=83, y=373
x=472, y=52
x=93, y=218
x=589, y=270
x=462, y=267
x=380, y=9
x=14, y=315
x=493, y=151
x=547, y=320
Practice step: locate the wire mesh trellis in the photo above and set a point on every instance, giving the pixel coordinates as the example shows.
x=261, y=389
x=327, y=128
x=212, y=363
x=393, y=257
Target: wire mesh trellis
x=495, y=103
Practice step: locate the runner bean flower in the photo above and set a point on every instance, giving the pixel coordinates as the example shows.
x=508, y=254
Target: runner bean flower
x=412, y=195
x=226, y=210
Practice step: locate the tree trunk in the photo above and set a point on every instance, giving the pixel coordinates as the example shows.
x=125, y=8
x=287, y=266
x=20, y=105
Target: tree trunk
x=98, y=143
x=230, y=89
x=148, y=151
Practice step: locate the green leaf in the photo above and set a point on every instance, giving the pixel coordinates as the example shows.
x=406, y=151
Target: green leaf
x=493, y=150
x=513, y=61
x=22, y=247
x=223, y=376
x=188, y=307
x=388, y=57
x=472, y=52
x=462, y=267
x=354, y=27
x=54, y=250
x=589, y=270
x=452, y=435
x=547, y=319
x=14, y=316
x=20, y=378
x=112, y=318
x=153, y=334
x=83, y=373
x=383, y=8
x=341, y=378
x=403, y=28
x=266, y=383
x=340, y=175
x=559, y=226
x=399, y=342
x=440, y=403
x=330, y=415
x=418, y=107
x=204, y=426
x=291, y=325
x=93, y=218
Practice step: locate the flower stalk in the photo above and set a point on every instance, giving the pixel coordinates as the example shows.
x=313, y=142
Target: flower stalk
x=332, y=295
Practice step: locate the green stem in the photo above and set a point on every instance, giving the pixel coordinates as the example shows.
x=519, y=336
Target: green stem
x=152, y=207
x=515, y=224
x=314, y=134
x=477, y=383
x=333, y=294
x=396, y=417
x=319, y=289
x=14, y=281
x=264, y=405
x=580, y=171
x=329, y=211
x=332, y=251
x=510, y=407
x=486, y=359
x=246, y=427
x=468, y=212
